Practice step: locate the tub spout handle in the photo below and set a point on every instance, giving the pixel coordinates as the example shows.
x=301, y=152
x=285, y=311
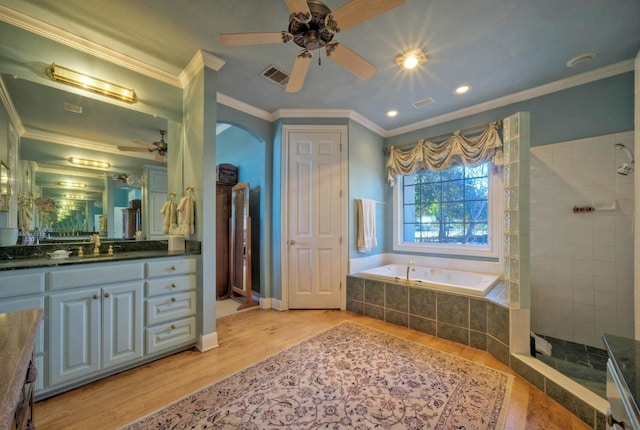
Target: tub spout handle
x=409, y=266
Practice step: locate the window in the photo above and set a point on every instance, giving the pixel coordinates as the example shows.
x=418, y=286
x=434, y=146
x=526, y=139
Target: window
x=453, y=211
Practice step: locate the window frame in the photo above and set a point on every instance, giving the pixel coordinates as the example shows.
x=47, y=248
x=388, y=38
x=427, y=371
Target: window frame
x=494, y=237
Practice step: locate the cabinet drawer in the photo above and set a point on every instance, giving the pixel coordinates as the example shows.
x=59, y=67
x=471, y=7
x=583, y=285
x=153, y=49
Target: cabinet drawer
x=169, y=285
x=165, y=267
x=95, y=274
x=23, y=304
x=170, y=307
x=170, y=335
x=21, y=285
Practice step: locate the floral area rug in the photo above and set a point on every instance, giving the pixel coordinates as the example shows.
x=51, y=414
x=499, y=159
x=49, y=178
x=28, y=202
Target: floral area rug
x=349, y=377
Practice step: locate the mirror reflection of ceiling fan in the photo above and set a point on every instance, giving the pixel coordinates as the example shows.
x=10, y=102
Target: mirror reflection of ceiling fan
x=312, y=26
x=134, y=181
x=159, y=147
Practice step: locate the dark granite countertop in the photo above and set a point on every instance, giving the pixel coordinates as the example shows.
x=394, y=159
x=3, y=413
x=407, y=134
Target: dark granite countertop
x=624, y=353
x=17, y=336
x=18, y=257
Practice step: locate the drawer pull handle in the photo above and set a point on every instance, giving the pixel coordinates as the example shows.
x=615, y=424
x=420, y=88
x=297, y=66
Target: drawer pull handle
x=106, y=295
x=173, y=326
x=173, y=299
x=174, y=268
x=96, y=297
x=174, y=286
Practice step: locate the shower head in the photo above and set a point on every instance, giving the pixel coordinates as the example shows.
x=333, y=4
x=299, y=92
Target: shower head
x=626, y=168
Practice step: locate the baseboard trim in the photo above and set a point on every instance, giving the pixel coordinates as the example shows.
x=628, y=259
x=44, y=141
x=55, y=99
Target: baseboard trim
x=207, y=342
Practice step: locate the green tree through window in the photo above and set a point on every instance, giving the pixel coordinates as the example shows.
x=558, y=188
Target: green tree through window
x=448, y=207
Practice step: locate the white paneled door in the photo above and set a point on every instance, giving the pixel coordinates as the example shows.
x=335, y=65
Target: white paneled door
x=315, y=218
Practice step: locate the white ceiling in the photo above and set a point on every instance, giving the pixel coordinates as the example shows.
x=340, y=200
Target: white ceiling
x=499, y=47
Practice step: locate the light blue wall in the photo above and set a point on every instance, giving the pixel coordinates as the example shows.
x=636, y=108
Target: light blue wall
x=366, y=174
x=598, y=108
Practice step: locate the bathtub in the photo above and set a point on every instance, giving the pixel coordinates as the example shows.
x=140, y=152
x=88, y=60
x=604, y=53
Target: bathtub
x=471, y=283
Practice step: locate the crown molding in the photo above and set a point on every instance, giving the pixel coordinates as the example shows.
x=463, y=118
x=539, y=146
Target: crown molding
x=59, y=35
x=243, y=107
x=365, y=122
x=199, y=61
x=10, y=108
x=552, y=87
x=81, y=143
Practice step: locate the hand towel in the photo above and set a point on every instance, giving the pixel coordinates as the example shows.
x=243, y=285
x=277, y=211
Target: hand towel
x=169, y=211
x=185, y=216
x=25, y=219
x=366, y=225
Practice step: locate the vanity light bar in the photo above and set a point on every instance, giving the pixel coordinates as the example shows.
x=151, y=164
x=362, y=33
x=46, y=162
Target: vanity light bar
x=75, y=196
x=89, y=163
x=80, y=80
x=72, y=184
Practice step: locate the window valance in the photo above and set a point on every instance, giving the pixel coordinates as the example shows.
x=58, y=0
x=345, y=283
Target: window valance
x=457, y=149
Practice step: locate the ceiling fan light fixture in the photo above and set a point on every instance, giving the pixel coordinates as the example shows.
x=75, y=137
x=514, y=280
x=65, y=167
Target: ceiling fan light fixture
x=90, y=83
x=411, y=59
x=89, y=163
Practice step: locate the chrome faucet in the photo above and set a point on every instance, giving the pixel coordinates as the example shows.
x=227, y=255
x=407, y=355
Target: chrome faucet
x=409, y=266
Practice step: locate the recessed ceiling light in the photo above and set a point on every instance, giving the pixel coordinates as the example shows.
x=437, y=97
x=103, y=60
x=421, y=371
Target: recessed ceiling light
x=462, y=89
x=581, y=60
x=411, y=59
x=392, y=113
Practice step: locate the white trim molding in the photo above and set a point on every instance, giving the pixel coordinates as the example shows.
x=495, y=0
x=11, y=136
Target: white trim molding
x=207, y=342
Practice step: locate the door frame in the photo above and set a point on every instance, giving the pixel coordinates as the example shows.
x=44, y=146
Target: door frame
x=284, y=206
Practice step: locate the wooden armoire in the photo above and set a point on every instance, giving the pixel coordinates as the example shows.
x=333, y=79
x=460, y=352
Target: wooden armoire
x=226, y=178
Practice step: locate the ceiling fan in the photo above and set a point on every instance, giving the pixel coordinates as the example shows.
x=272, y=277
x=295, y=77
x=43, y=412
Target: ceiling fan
x=159, y=147
x=312, y=25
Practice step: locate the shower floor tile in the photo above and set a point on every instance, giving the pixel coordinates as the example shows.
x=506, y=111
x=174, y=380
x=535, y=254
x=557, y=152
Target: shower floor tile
x=584, y=364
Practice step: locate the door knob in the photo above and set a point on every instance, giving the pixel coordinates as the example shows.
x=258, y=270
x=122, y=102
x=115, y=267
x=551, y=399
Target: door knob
x=292, y=242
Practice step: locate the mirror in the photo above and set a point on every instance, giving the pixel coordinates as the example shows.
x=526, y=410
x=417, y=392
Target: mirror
x=86, y=198
x=5, y=191
x=240, y=252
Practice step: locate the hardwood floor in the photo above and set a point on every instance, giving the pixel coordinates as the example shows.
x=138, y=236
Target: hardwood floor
x=246, y=338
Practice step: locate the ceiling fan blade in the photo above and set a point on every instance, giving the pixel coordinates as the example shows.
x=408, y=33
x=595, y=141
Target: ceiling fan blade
x=299, y=9
x=159, y=157
x=133, y=149
x=350, y=60
x=237, y=39
x=145, y=143
x=299, y=71
x=356, y=11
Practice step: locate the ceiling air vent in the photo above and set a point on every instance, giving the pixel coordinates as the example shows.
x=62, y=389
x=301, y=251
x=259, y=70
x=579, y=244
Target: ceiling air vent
x=276, y=75
x=424, y=102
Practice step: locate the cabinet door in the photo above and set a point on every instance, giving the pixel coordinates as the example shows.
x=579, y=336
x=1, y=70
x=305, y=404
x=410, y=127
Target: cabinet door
x=122, y=307
x=74, y=335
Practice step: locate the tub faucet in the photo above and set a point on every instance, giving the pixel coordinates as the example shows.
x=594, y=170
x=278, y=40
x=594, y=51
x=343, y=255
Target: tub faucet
x=409, y=267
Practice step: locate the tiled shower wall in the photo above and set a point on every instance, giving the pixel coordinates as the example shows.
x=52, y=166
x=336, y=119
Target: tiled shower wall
x=582, y=263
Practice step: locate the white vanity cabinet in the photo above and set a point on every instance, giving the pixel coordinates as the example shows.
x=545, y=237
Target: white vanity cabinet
x=95, y=319
x=170, y=304
x=104, y=317
x=21, y=290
